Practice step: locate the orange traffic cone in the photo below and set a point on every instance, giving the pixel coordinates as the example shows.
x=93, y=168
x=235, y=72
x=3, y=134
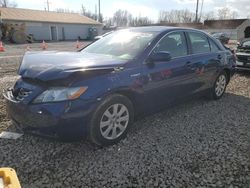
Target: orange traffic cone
x=28, y=48
x=44, y=45
x=1, y=47
x=78, y=44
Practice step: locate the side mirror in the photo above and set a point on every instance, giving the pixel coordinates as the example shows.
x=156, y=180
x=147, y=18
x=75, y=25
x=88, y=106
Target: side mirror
x=159, y=56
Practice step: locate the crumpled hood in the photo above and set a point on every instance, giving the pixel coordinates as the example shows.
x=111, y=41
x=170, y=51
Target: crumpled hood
x=51, y=65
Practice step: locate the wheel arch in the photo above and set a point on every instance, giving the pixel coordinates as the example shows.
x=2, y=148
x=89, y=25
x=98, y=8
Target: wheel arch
x=228, y=73
x=129, y=94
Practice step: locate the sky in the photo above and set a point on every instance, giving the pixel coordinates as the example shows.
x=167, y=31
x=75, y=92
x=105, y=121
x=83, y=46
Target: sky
x=149, y=8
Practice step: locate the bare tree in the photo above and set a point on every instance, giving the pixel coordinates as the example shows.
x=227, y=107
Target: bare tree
x=90, y=14
x=177, y=16
x=226, y=13
x=169, y=16
x=187, y=16
x=108, y=22
x=234, y=15
x=61, y=10
x=140, y=21
x=122, y=18
x=165, y=16
x=223, y=13
x=208, y=16
x=83, y=10
x=7, y=3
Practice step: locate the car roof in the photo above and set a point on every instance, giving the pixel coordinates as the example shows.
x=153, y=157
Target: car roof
x=159, y=29
x=151, y=28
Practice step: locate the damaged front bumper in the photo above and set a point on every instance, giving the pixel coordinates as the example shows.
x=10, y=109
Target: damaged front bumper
x=66, y=120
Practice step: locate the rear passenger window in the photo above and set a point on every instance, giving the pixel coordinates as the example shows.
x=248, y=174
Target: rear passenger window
x=199, y=43
x=213, y=46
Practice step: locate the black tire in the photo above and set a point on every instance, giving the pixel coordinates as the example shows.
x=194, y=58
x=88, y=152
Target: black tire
x=215, y=95
x=95, y=134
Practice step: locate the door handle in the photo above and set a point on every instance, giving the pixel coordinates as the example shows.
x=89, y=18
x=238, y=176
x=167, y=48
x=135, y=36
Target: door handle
x=190, y=66
x=219, y=56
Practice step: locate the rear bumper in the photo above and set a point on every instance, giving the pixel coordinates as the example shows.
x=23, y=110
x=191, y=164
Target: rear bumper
x=67, y=120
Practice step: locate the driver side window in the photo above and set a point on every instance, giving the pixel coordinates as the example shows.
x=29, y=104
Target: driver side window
x=174, y=43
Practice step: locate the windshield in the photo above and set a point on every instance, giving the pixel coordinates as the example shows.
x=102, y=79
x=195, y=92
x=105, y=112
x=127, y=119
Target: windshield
x=246, y=43
x=121, y=44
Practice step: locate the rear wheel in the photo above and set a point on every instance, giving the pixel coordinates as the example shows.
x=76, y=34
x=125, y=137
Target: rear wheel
x=111, y=120
x=219, y=86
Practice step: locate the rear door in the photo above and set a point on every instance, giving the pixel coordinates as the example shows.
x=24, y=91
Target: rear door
x=205, y=59
x=166, y=81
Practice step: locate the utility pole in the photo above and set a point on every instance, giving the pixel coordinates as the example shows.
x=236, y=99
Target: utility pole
x=201, y=9
x=99, y=8
x=196, y=13
x=96, y=16
x=48, y=4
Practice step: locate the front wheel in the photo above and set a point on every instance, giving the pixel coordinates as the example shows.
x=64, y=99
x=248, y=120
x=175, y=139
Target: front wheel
x=220, y=85
x=111, y=121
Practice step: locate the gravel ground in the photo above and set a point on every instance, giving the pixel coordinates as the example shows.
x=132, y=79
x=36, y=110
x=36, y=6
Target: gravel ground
x=19, y=49
x=199, y=143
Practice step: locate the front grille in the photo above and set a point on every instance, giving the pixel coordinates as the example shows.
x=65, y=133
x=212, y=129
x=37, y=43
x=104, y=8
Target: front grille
x=243, y=58
x=21, y=93
x=244, y=50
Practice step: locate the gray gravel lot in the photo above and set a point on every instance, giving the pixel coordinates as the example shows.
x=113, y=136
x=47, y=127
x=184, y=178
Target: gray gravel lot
x=199, y=143
x=19, y=49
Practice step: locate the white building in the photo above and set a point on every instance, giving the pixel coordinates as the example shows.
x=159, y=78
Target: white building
x=44, y=25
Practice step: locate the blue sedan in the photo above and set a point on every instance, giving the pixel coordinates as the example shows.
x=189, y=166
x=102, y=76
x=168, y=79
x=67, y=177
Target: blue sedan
x=97, y=92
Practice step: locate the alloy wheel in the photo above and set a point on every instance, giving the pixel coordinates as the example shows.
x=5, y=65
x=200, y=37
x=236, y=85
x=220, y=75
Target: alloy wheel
x=220, y=85
x=114, y=121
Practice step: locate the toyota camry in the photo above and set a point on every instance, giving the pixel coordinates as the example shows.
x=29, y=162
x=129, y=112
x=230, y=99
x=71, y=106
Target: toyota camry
x=96, y=93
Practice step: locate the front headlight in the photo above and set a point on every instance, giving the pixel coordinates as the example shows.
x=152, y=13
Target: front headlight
x=56, y=94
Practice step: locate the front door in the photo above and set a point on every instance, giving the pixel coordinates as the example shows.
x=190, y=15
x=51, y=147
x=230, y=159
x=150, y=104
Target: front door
x=169, y=80
x=53, y=33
